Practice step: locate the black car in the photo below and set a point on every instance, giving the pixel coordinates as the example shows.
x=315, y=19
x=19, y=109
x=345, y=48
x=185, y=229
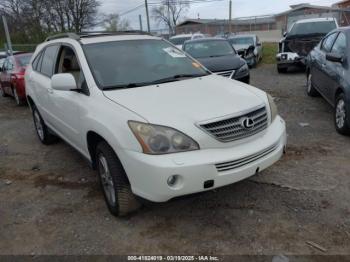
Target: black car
x=303, y=36
x=328, y=74
x=219, y=56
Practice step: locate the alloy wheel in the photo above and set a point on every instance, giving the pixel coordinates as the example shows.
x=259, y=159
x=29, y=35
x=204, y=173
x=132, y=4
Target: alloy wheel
x=340, y=115
x=309, y=83
x=106, y=180
x=38, y=125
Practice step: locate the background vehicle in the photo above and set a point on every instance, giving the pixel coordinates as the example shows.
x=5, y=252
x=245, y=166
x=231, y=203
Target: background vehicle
x=249, y=47
x=219, y=56
x=303, y=36
x=12, y=76
x=179, y=40
x=154, y=122
x=328, y=74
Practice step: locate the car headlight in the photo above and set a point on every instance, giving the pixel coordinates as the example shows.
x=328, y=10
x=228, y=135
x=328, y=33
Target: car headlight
x=273, y=107
x=157, y=140
x=243, y=69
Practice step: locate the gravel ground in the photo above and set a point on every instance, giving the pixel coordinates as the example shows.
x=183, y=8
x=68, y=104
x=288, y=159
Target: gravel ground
x=50, y=202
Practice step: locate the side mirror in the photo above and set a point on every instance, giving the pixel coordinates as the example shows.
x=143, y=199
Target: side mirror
x=284, y=34
x=333, y=57
x=63, y=82
x=258, y=44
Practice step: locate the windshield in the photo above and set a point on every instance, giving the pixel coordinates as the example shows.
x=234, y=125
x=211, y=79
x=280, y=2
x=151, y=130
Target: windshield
x=179, y=40
x=138, y=63
x=242, y=41
x=312, y=28
x=212, y=48
x=23, y=60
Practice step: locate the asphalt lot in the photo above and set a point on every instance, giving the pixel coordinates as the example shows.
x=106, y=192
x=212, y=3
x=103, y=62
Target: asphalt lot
x=50, y=202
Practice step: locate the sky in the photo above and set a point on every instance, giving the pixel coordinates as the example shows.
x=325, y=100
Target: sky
x=218, y=9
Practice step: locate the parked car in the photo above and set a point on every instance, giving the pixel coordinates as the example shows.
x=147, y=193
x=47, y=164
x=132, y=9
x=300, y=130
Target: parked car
x=12, y=76
x=328, y=74
x=219, y=56
x=179, y=40
x=303, y=36
x=153, y=122
x=2, y=60
x=248, y=47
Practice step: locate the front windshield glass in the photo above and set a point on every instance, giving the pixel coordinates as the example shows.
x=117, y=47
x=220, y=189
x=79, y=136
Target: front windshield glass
x=179, y=40
x=312, y=28
x=242, y=41
x=138, y=63
x=212, y=48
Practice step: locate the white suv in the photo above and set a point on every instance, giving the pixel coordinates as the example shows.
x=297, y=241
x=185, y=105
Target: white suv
x=154, y=122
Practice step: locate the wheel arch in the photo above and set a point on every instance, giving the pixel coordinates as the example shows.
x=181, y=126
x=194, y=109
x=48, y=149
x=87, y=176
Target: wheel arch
x=30, y=102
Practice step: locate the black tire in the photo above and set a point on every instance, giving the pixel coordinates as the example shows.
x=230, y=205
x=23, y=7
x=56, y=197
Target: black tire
x=2, y=93
x=310, y=89
x=282, y=70
x=41, y=129
x=341, y=116
x=115, y=186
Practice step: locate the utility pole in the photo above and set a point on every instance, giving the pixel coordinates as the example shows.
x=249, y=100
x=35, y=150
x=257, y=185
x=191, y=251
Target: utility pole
x=140, y=20
x=147, y=15
x=170, y=31
x=8, y=39
x=230, y=18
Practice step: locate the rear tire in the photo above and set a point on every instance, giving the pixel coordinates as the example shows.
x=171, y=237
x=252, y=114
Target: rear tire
x=341, y=116
x=282, y=70
x=310, y=89
x=42, y=130
x=114, y=183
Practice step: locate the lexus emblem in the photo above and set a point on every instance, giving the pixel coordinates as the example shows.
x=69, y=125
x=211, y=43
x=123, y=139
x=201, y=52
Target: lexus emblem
x=247, y=123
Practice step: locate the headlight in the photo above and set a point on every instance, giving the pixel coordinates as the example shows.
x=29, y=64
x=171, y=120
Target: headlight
x=242, y=70
x=273, y=107
x=159, y=140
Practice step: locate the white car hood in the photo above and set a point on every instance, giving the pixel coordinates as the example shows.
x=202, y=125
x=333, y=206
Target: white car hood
x=192, y=100
x=241, y=47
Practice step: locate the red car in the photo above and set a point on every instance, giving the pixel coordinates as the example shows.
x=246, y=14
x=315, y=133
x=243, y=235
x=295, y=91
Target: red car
x=12, y=76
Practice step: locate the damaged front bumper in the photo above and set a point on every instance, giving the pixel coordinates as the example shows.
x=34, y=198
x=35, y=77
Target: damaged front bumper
x=286, y=59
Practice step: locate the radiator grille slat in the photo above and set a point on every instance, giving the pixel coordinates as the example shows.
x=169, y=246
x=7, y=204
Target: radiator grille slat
x=231, y=129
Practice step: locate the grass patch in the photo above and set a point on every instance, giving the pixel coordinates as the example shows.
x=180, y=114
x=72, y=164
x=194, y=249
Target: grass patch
x=269, y=53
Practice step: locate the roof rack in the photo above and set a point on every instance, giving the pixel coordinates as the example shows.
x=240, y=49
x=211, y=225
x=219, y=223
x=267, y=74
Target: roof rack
x=78, y=36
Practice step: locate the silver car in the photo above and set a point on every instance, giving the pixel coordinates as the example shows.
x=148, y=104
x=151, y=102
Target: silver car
x=249, y=47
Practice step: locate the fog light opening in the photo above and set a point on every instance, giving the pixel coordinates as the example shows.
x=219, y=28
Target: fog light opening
x=172, y=180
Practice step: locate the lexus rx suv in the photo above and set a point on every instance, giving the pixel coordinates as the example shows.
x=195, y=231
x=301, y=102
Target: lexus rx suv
x=152, y=121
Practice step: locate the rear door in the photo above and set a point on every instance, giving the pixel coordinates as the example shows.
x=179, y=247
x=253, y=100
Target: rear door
x=320, y=75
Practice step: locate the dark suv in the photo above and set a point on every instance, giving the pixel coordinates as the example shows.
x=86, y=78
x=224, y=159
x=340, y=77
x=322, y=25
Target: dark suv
x=303, y=36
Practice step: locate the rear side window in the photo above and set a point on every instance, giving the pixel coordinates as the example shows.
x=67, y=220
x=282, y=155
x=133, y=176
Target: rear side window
x=49, y=60
x=339, y=46
x=36, y=63
x=328, y=42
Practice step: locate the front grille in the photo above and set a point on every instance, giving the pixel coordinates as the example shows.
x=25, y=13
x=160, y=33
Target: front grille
x=226, y=73
x=231, y=129
x=226, y=166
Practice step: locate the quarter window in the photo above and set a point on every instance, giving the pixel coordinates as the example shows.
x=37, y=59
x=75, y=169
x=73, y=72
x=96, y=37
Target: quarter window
x=48, y=60
x=339, y=46
x=36, y=61
x=328, y=42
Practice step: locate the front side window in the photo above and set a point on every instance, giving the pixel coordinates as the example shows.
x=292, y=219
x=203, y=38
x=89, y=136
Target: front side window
x=212, y=48
x=327, y=43
x=48, y=60
x=135, y=63
x=312, y=28
x=339, y=46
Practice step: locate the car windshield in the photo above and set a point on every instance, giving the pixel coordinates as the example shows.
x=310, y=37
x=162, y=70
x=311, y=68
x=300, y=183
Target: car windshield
x=179, y=40
x=23, y=60
x=212, y=48
x=131, y=63
x=310, y=28
x=242, y=41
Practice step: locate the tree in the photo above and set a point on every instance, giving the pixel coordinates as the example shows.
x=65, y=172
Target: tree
x=175, y=9
x=113, y=22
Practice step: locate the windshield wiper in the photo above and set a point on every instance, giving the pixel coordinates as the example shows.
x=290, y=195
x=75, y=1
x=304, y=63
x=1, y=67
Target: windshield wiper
x=159, y=81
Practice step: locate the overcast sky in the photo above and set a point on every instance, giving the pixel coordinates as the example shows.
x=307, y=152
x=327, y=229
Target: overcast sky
x=217, y=9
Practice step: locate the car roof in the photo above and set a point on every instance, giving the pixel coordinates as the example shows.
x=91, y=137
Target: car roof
x=206, y=39
x=320, y=19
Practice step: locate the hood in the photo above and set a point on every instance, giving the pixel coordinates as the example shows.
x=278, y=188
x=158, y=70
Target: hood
x=184, y=103
x=222, y=63
x=302, y=45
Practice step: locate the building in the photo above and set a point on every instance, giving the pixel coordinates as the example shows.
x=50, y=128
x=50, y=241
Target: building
x=270, y=23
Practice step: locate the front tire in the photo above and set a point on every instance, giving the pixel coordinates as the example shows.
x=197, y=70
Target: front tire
x=115, y=185
x=341, y=116
x=310, y=89
x=282, y=70
x=42, y=130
